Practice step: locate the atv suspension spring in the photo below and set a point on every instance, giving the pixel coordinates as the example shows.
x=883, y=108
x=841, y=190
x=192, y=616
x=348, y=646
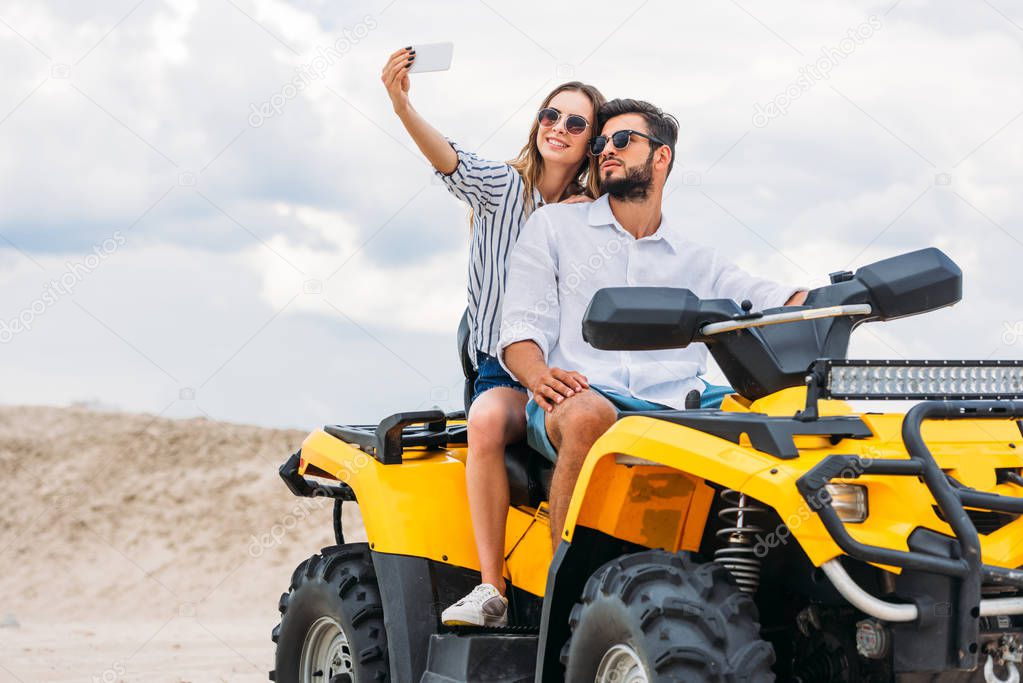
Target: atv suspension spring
x=738, y=552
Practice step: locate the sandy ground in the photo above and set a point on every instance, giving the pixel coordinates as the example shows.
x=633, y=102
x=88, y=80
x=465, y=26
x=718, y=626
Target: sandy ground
x=135, y=548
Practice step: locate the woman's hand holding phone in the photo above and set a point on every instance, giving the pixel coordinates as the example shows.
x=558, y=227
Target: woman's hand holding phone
x=396, y=79
x=433, y=145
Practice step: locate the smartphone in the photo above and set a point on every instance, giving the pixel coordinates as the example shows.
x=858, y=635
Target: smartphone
x=432, y=57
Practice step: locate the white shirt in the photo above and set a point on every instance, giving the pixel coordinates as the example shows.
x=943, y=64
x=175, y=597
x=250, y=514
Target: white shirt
x=494, y=190
x=566, y=252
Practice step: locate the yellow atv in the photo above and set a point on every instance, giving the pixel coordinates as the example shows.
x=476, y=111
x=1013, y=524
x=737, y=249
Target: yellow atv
x=783, y=536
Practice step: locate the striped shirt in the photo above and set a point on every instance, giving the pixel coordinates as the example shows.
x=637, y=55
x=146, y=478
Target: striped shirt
x=494, y=191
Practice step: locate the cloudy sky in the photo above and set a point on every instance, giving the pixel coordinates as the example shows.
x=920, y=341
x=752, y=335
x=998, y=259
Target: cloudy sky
x=184, y=231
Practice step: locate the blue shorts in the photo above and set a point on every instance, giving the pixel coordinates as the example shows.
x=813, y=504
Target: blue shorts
x=536, y=428
x=490, y=374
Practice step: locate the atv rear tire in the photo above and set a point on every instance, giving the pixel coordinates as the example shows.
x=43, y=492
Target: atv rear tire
x=655, y=616
x=332, y=621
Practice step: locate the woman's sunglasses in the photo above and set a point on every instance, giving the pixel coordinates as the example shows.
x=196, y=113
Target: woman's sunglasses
x=620, y=139
x=574, y=124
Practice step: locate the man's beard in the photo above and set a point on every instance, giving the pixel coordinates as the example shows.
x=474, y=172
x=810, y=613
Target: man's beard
x=634, y=186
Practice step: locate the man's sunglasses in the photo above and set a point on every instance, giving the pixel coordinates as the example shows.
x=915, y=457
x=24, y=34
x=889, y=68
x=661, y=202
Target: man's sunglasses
x=574, y=124
x=620, y=139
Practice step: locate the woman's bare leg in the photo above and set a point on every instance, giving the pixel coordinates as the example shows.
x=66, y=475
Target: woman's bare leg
x=497, y=417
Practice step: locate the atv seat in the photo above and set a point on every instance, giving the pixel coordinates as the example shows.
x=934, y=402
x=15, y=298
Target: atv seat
x=529, y=473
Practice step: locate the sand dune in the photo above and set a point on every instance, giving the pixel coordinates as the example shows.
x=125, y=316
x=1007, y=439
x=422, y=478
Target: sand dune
x=137, y=548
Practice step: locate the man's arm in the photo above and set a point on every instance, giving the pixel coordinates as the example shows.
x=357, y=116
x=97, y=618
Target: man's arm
x=797, y=299
x=729, y=281
x=531, y=314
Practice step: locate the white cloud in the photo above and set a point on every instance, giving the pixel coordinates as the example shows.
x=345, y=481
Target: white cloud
x=169, y=91
x=426, y=295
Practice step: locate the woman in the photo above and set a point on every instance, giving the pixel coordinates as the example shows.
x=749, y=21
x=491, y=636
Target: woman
x=553, y=166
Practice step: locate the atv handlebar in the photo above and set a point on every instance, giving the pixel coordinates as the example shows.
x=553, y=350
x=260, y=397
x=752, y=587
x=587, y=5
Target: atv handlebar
x=760, y=356
x=786, y=317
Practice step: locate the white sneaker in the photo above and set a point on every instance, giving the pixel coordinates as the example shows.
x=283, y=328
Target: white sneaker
x=484, y=606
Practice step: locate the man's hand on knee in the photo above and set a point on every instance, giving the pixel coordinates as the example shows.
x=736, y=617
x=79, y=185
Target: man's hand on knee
x=552, y=387
x=549, y=386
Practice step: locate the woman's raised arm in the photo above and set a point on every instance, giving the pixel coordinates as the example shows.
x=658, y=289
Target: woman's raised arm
x=431, y=143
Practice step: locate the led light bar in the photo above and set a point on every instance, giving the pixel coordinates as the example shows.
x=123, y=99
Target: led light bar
x=922, y=379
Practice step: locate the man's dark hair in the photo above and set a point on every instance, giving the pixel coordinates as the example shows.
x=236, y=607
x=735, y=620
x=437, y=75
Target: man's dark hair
x=661, y=125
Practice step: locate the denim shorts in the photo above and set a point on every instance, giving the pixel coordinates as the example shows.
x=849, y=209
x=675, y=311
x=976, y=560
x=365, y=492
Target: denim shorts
x=536, y=424
x=491, y=374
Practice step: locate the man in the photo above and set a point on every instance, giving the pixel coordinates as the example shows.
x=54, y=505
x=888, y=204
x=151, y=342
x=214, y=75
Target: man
x=565, y=253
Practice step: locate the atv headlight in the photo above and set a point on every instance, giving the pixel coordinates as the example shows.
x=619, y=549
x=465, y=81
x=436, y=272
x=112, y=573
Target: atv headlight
x=919, y=380
x=849, y=501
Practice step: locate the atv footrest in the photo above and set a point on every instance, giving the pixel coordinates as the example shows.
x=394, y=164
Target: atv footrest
x=493, y=630
x=489, y=655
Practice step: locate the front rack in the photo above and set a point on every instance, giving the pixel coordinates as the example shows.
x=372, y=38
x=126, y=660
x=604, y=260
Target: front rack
x=951, y=497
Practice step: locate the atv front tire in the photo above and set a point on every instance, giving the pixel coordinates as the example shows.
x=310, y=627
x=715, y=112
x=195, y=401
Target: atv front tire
x=332, y=621
x=654, y=616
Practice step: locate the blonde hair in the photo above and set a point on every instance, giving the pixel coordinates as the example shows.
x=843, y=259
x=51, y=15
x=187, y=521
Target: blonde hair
x=530, y=164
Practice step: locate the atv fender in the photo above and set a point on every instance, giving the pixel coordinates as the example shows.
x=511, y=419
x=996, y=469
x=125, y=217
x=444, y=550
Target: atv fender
x=417, y=508
x=645, y=481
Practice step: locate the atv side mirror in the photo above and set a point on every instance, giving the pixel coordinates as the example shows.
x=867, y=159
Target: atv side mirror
x=644, y=318
x=912, y=283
